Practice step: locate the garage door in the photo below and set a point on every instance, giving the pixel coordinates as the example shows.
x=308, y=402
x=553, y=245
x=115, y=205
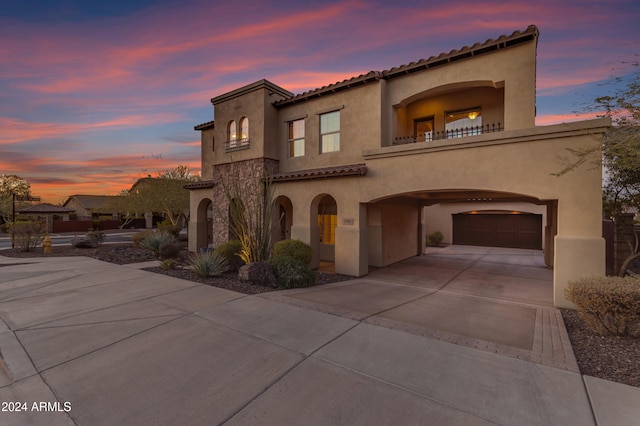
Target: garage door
x=498, y=230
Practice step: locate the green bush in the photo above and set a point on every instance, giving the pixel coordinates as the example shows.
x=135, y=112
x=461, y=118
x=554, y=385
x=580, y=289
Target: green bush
x=435, y=239
x=95, y=237
x=230, y=251
x=27, y=235
x=154, y=240
x=166, y=226
x=608, y=305
x=209, y=264
x=291, y=272
x=169, y=264
x=293, y=248
x=138, y=237
x=169, y=250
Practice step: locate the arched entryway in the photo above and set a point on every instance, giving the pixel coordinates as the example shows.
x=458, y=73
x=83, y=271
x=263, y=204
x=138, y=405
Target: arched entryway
x=282, y=219
x=204, y=234
x=324, y=220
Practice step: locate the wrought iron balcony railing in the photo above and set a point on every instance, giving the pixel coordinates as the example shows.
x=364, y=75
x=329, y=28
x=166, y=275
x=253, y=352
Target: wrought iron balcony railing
x=449, y=134
x=236, y=145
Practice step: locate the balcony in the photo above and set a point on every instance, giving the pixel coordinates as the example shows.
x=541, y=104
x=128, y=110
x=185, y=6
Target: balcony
x=449, y=134
x=236, y=145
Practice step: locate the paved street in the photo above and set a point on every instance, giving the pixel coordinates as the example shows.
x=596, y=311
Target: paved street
x=461, y=336
x=111, y=237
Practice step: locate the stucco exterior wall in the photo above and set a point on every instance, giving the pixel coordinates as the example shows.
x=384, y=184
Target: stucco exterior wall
x=359, y=128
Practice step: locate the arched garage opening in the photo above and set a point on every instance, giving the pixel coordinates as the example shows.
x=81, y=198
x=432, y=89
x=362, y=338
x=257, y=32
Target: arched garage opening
x=398, y=226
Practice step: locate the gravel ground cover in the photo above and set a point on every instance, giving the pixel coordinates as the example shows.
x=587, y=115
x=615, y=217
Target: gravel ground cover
x=611, y=358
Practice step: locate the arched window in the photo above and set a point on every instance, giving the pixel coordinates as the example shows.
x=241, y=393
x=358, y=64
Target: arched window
x=232, y=131
x=244, y=128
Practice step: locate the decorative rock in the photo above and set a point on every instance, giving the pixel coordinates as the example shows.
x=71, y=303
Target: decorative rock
x=82, y=242
x=259, y=273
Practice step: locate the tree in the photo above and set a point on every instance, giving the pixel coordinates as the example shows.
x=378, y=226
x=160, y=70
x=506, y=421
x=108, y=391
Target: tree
x=620, y=157
x=163, y=194
x=9, y=185
x=620, y=149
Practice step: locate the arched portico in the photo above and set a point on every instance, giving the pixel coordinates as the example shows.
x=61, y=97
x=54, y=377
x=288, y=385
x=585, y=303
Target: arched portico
x=282, y=218
x=204, y=221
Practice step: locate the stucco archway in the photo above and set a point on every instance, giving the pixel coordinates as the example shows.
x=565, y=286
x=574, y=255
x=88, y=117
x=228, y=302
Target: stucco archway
x=204, y=215
x=282, y=218
x=323, y=222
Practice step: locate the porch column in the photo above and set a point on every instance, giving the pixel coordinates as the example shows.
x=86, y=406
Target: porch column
x=351, y=242
x=575, y=258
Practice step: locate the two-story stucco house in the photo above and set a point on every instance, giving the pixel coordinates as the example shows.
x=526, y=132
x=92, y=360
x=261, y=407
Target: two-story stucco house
x=366, y=167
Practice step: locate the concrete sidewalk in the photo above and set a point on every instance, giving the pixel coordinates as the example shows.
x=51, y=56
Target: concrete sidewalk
x=108, y=344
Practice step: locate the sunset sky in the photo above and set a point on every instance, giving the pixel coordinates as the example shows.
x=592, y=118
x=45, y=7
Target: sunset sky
x=94, y=94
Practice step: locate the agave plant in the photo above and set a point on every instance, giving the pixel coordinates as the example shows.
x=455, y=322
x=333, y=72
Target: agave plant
x=209, y=264
x=154, y=240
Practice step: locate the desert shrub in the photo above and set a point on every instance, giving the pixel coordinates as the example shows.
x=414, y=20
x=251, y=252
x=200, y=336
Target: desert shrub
x=27, y=235
x=170, y=250
x=293, y=248
x=608, y=305
x=166, y=226
x=291, y=272
x=138, y=237
x=209, y=264
x=95, y=237
x=154, y=240
x=435, y=238
x=230, y=250
x=169, y=264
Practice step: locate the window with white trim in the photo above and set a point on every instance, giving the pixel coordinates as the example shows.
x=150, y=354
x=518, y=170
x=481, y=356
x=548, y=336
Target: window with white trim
x=330, y=132
x=296, y=138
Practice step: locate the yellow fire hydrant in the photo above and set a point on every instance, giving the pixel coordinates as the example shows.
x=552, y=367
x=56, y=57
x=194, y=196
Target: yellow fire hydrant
x=46, y=244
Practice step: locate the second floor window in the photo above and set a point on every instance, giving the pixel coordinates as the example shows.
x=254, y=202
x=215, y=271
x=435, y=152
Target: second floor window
x=244, y=128
x=296, y=138
x=330, y=132
x=232, y=132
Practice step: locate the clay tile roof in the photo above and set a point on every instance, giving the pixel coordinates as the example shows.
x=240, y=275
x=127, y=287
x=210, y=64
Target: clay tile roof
x=204, y=125
x=325, y=172
x=332, y=88
x=201, y=184
x=45, y=208
x=517, y=37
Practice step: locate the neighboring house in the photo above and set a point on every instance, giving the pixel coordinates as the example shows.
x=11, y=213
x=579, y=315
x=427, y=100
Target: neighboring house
x=88, y=207
x=366, y=167
x=47, y=213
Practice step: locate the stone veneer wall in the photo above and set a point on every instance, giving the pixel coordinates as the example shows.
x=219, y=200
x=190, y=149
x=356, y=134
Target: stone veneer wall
x=246, y=171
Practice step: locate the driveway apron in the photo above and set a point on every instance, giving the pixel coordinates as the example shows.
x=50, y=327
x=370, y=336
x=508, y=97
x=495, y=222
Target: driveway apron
x=460, y=336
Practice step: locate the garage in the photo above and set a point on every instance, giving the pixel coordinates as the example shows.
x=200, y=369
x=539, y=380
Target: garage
x=507, y=229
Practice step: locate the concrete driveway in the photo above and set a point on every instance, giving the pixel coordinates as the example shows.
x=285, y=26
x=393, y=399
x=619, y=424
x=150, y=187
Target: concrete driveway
x=461, y=336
